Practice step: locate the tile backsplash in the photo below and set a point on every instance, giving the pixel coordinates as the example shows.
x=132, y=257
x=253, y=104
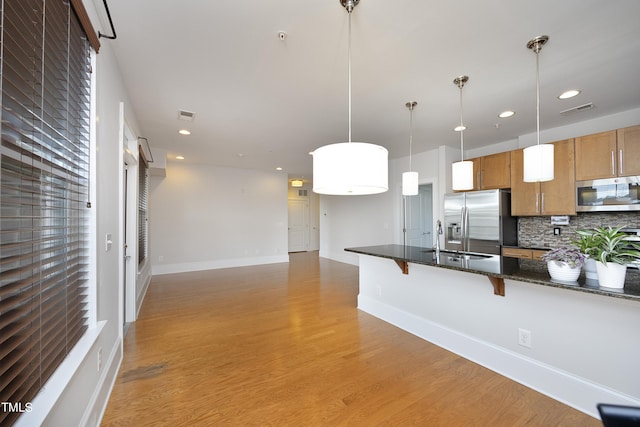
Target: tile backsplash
x=537, y=232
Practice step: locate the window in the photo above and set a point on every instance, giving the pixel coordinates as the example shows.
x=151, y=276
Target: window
x=143, y=189
x=44, y=182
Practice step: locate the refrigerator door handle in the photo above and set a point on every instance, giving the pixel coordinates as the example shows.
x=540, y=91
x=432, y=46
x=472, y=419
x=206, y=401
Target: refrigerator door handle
x=465, y=228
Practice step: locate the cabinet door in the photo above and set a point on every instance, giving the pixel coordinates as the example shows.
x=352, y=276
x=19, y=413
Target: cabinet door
x=629, y=151
x=524, y=195
x=496, y=171
x=596, y=156
x=558, y=197
x=477, y=173
x=517, y=253
x=537, y=254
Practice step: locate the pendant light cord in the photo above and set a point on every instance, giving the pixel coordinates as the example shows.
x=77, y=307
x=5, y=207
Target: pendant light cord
x=349, y=62
x=410, y=134
x=538, y=94
x=461, y=127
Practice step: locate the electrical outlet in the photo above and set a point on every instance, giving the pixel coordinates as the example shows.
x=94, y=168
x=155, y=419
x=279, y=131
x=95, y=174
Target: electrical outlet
x=524, y=338
x=379, y=290
x=99, y=358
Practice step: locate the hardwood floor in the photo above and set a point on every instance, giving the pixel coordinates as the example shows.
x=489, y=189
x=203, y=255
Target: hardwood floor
x=284, y=345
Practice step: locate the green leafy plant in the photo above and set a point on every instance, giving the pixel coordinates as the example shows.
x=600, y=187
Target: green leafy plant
x=609, y=244
x=585, y=242
x=569, y=254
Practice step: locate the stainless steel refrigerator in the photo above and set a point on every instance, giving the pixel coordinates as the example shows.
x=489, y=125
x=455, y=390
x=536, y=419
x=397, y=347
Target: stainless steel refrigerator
x=479, y=221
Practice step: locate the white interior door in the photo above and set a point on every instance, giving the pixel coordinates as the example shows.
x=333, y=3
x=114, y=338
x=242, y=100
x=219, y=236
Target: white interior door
x=419, y=218
x=298, y=225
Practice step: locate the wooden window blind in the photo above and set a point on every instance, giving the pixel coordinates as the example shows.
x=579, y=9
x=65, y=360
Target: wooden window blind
x=44, y=180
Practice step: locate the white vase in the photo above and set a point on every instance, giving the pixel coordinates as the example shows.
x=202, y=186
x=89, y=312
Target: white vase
x=562, y=272
x=611, y=275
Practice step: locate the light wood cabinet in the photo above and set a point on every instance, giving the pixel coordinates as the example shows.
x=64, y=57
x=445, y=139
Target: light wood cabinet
x=556, y=197
x=477, y=173
x=492, y=171
x=495, y=171
x=608, y=154
x=629, y=151
x=523, y=253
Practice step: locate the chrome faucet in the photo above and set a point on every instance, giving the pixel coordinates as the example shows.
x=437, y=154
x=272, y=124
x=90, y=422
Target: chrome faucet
x=438, y=233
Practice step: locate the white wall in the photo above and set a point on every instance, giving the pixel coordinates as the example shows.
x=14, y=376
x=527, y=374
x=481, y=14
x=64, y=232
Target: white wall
x=583, y=349
x=204, y=217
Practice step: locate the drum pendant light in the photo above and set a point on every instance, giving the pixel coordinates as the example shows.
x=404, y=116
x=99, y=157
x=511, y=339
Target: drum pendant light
x=462, y=171
x=538, y=159
x=410, y=179
x=350, y=168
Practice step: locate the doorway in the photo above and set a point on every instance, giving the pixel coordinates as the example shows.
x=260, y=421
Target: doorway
x=419, y=217
x=129, y=225
x=298, y=225
x=304, y=219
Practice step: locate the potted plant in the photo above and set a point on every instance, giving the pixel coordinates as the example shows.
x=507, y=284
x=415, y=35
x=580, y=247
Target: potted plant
x=612, y=249
x=584, y=243
x=564, y=263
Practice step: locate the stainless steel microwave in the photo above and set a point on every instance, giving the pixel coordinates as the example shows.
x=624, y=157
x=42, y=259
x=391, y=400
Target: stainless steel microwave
x=611, y=194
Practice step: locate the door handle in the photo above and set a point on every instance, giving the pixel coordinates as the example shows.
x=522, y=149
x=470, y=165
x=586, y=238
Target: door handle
x=613, y=163
x=620, y=166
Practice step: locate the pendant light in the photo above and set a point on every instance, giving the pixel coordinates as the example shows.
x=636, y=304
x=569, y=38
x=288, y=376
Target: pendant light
x=538, y=159
x=410, y=179
x=462, y=171
x=350, y=168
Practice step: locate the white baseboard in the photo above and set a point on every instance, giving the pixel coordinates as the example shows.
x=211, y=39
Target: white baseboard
x=341, y=256
x=562, y=386
x=141, y=295
x=100, y=398
x=217, y=264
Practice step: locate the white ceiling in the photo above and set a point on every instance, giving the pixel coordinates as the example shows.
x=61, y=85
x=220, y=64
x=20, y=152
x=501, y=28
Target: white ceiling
x=261, y=102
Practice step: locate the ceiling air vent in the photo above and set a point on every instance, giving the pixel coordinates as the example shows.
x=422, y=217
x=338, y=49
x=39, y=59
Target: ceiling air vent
x=577, y=109
x=187, y=116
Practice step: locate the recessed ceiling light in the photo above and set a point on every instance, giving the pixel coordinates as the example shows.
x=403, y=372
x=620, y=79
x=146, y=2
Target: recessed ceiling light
x=569, y=94
x=184, y=132
x=506, y=114
x=180, y=157
x=278, y=168
x=459, y=128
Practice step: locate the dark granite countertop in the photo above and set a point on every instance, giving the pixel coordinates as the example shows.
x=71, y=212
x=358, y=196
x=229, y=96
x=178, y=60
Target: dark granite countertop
x=491, y=265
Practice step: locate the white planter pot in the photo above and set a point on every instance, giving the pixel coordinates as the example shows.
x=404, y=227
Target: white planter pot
x=611, y=275
x=562, y=272
x=590, y=271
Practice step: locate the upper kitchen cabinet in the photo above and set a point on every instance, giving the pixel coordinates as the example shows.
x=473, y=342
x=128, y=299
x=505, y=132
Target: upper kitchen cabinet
x=608, y=154
x=556, y=197
x=629, y=151
x=492, y=172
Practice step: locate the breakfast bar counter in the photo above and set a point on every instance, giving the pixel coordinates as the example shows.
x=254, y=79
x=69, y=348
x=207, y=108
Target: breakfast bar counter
x=496, y=267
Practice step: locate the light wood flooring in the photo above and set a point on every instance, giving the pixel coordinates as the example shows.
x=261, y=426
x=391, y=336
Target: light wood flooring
x=284, y=345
